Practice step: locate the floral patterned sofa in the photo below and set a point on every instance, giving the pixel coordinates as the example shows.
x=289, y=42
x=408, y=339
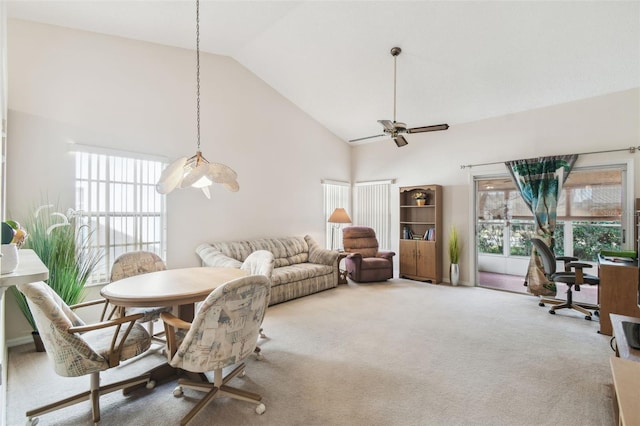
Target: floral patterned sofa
x=301, y=266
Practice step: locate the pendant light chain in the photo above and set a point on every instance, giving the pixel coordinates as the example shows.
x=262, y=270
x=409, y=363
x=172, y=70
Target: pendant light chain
x=196, y=171
x=198, y=67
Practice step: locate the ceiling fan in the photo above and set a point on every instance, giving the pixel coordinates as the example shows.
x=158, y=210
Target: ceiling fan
x=395, y=128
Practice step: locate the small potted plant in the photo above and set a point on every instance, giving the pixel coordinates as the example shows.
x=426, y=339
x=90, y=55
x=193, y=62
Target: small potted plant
x=13, y=237
x=454, y=256
x=420, y=197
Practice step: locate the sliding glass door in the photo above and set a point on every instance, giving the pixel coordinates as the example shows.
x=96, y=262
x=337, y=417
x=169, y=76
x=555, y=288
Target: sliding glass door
x=591, y=217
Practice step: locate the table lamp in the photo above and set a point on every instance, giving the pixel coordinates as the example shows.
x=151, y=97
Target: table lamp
x=338, y=216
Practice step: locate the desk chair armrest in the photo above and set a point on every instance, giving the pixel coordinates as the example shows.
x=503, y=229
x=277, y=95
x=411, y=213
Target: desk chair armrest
x=88, y=303
x=579, y=265
x=174, y=321
x=117, y=341
x=171, y=323
x=105, y=324
x=566, y=259
x=103, y=315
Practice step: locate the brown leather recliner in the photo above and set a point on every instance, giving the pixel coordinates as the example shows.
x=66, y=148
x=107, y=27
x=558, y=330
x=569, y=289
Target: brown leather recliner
x=365, y=263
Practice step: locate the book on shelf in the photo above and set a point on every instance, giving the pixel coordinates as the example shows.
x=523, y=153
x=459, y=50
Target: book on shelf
x=430, y=234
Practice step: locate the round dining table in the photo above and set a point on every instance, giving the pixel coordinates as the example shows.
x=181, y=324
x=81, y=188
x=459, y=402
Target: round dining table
x=181, y=287
x=172, y=287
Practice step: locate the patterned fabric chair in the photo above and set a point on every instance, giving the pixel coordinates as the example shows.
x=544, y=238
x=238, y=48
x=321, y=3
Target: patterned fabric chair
x=137, y=263
x=223, y=333
x=77, y=349
x=260, y=262
x=365, y=263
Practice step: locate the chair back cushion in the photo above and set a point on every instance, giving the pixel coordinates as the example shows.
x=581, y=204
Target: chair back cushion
x=259, y=262
x=70, y=354
x=225, y=329
x=546, y=255
x=136, y=263
x=360, y=239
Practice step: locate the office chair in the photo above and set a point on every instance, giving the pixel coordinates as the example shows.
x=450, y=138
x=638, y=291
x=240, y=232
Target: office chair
x=572, y=276
x=364, y=262
x=77, y=349
x=223, y=333
x=137, y=263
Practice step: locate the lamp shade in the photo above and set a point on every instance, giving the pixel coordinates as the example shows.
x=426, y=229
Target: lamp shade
x=339, y=215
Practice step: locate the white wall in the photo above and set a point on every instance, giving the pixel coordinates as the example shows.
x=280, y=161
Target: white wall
x=68, y=85
x=600, y=123
x=93, y=89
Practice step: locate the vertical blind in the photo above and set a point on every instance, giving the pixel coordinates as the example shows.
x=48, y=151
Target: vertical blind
x=372, y=209
x=336, y=194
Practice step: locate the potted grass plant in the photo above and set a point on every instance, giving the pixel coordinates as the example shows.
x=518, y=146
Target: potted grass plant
x=62, y=243
x=454, y=256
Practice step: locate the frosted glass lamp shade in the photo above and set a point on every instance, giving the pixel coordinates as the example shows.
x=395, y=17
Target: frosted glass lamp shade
x=171, y=177
x=196, y=172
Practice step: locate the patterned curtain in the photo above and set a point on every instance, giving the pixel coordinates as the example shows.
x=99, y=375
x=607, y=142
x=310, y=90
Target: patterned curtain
x=540, y=181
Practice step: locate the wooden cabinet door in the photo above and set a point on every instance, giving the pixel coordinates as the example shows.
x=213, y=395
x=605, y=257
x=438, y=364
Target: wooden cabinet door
x=407, y=257
x=426, y=259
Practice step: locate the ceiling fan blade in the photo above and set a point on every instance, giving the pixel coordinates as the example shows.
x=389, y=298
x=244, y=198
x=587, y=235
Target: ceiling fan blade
x=388, y=125
x=367, y=137
x=400, y=141
x=428, y=128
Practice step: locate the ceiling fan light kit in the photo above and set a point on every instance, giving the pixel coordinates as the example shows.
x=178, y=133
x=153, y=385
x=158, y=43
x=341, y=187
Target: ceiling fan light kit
x=395, y=128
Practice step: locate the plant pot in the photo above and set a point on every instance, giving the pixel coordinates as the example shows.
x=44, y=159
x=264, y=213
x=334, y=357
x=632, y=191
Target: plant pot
x=421, y=202
x=454, y=274
x=10, y=258
x=37, y=340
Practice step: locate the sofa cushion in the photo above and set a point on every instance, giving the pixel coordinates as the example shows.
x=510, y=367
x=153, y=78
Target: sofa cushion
x=286, y=251
x=298, y=272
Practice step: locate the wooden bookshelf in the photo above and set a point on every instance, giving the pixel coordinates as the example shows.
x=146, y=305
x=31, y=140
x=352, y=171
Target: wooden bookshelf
x=421, y=233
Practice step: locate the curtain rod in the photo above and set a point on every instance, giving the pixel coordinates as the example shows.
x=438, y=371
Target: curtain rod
x=631, y=150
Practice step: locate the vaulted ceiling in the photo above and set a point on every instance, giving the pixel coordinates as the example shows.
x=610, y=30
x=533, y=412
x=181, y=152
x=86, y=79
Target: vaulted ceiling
x=460, y=61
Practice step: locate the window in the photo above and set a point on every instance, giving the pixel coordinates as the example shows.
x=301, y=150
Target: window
x=372, y=209
x=116, y=194
x=589, y=215
x=336, y=194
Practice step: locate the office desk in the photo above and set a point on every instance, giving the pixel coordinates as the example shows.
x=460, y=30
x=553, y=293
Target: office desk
x=625, y=369
x=617, y=292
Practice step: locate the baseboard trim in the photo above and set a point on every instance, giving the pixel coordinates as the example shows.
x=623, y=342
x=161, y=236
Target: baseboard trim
x=19, y=341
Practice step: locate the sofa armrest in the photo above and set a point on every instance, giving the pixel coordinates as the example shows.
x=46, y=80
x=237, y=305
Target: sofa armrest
x=213, y=257
x=386, y=255
x=321, y=255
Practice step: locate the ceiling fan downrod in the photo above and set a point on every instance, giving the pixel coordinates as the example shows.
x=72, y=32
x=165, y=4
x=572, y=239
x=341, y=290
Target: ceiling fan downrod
x=395, y=51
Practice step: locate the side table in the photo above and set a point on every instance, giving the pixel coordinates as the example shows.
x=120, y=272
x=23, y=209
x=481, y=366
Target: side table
x=342, y=273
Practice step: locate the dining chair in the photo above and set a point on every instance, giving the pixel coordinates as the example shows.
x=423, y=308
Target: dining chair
x=260, y=262
x=223, y=333
x=77, y=349
x=137, y=263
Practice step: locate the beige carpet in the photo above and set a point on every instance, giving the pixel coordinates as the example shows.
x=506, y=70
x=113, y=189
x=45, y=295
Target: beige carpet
x=398, y=353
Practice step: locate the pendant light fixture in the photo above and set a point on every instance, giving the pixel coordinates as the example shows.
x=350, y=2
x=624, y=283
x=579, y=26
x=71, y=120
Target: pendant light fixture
x=197, y=171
